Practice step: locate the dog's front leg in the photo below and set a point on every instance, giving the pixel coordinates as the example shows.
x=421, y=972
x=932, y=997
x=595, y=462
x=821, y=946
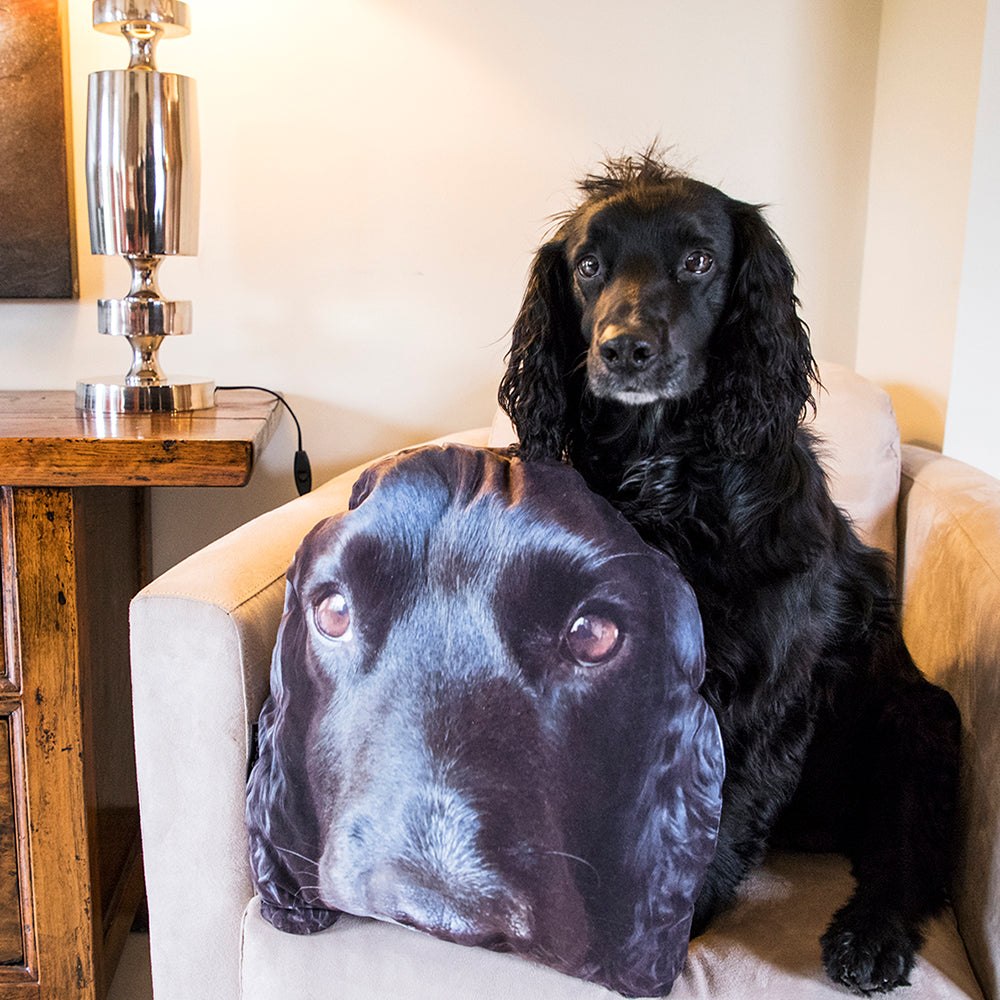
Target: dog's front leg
x=903, y=833
x=764, y=760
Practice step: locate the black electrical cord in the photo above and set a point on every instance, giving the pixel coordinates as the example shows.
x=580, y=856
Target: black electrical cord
x=300, y=464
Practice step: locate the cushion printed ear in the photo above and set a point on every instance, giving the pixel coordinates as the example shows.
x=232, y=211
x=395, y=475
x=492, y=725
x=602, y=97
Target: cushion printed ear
x=683, y=622
x=669, y=825
x=667, y=845
x=364, y=486
x=277, y=807
x=369, y=480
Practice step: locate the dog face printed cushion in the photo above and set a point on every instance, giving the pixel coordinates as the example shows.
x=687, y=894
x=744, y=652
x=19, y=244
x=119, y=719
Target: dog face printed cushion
x=484, y=723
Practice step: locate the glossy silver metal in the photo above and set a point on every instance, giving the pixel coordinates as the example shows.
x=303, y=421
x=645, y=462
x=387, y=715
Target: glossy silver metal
x=149, y=318
x=143, y=166
x=143, y=312
x=102, y=394
x=143, y=189
x=173, y=17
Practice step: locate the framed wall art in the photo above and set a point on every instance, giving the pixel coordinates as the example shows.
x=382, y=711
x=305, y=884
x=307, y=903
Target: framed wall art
x=37, y=231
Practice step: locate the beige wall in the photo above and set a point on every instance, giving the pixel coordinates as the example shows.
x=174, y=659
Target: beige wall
x=376, y=175
x=972, y=425
x=925, y=120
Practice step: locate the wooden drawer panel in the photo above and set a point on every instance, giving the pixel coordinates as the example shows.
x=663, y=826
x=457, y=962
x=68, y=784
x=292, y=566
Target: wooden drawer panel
x=8, y=597
x=11, y=942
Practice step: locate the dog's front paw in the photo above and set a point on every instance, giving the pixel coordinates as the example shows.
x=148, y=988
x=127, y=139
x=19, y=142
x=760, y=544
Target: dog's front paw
x=869, y=950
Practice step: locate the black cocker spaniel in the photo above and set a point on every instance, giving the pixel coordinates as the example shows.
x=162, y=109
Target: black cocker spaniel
x=660, y=351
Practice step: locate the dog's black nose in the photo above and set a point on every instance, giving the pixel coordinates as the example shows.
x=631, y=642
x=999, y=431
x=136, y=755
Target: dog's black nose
x=627, y=353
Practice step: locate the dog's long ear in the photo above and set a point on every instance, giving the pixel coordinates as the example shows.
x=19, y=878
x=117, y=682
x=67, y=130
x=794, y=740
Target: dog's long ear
x=668, y=816
x=282, y=828
x=544, y=349
x=365, y=485
x=762, y=362
x=667, y=843
x=677, y=818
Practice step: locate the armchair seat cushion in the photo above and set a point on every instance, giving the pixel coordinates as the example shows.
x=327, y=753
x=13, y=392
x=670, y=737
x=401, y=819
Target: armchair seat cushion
x=766, y=946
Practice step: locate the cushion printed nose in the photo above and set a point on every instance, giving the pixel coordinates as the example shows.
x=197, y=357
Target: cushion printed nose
x=500, y=921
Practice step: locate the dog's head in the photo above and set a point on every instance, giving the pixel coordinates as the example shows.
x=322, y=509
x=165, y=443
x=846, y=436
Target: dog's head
x=658, y=290
x=649, y=270
x=485, y=687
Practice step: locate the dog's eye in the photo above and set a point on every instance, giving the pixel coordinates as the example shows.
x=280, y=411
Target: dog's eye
x=592, y=639
x=589, y=266
x=698, y=262
x=333, y=616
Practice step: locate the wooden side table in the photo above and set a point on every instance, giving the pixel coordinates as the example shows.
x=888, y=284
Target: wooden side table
x=74, y=528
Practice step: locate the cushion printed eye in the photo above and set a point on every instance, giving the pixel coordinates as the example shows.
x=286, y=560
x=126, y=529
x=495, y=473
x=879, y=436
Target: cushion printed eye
x=589, y=266
x=333, y=616
x=592, y=639
x=698, y=262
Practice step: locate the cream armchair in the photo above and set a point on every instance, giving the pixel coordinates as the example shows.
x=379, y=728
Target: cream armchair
x=201, y=643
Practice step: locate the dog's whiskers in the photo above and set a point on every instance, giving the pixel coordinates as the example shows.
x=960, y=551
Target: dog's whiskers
x=535, y=851
x=288, y=850
x=575, y=857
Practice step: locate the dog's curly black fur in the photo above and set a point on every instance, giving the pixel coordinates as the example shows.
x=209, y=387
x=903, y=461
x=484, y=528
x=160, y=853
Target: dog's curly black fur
x=659, y=349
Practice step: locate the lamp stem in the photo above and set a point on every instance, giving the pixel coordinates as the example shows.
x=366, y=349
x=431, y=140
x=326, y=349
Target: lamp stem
x=144, y=276
x=142, y=37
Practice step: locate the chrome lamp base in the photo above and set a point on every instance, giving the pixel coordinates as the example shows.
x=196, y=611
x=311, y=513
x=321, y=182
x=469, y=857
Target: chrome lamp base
x=144, y=318
x=103, y=394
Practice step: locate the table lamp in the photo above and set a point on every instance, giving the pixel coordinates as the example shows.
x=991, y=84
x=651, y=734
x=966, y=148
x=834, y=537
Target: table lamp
x=143, y=178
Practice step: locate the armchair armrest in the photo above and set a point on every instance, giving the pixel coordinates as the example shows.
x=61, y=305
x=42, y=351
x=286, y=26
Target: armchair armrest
x=949, y=570
x=201, y=640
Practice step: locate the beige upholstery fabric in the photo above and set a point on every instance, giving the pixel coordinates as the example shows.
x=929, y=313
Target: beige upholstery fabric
x=767, y=947
x=201, y=640
x=859, y=448
x=950, y=572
